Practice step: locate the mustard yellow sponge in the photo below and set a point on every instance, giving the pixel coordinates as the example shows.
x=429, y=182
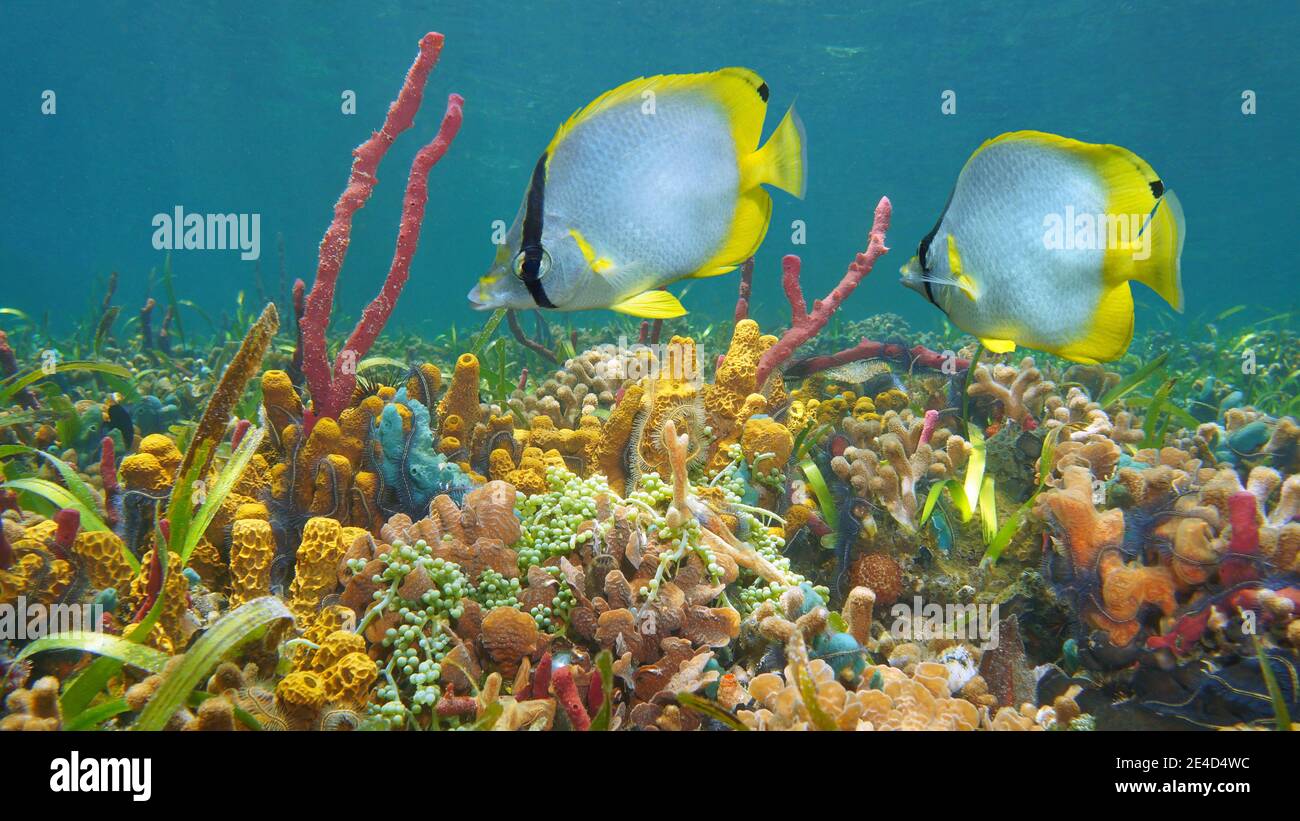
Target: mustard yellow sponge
x=101, y=555
x=530, y=476
x=348, y=680
x=734, y=379
x=610, y=450
x=461, y=398
x=325, y=438
x=143, y=472
x=316, y=573
x=252, y=548
x=429, y=376
x=164, y=450
x=766, y=443
x=299, y=697
x=280, y=399
x=336, y=645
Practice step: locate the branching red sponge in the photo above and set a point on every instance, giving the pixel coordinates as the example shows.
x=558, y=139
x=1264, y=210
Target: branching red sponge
x=332, y=386
x=805, y=324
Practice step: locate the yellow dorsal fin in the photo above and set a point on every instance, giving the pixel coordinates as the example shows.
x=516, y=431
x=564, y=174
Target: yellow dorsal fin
x=651, y=305
x=1110, y=332
x=782, y=161
x=999, y=345
x=959, y=275
x=600, y=265
x=740, y=91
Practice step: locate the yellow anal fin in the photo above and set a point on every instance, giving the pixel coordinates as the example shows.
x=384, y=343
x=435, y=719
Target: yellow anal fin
x=600, y=265
x=713, y=272
x=998, y=345
x=651, y=305
x=1110, y=332
x=782, y=161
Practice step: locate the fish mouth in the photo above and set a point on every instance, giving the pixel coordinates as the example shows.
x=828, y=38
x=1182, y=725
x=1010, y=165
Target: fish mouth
x=475, y=300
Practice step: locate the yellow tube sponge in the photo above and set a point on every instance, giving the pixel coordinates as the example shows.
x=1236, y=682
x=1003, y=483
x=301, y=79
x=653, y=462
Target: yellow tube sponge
x=101, y=554
x=280, y=399
x=348, y=680
x=164, y=450
x=252, y=548
x=462, y=395
x=766, y=443
x=316, y=573
x=299, y=697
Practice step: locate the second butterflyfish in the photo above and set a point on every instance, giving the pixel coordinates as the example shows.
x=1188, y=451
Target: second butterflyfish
x=1039, y=241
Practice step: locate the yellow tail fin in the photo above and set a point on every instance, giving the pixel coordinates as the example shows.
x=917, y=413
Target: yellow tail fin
x=782, y=161
x=1161, y=271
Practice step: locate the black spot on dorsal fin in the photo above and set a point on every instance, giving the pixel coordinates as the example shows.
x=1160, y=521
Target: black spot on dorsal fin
x=1157, y=189
x=763, y=92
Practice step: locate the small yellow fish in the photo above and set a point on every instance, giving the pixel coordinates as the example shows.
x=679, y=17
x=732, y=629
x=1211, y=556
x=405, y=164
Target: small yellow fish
x=1039, y=241
x=655, y=181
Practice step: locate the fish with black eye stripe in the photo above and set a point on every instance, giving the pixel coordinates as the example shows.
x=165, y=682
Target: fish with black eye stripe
x=655, y=181
x=1039, y=241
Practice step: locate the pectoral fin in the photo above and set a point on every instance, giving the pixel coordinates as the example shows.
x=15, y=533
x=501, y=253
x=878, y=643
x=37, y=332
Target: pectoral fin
x=964, y=282
x=598, y=264
x=651, y=305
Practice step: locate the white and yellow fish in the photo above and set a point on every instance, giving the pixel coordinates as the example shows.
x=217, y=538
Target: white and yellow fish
x=655, y=181
x=1039, y=241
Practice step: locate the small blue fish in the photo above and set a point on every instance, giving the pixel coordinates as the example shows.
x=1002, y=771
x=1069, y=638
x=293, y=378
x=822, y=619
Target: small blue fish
x=942, y=530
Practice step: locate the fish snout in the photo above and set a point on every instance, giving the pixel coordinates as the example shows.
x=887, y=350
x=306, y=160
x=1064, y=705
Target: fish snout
x=911, y=275
x=478, y=299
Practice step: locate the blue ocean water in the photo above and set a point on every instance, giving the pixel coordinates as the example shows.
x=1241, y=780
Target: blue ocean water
x=235, y=106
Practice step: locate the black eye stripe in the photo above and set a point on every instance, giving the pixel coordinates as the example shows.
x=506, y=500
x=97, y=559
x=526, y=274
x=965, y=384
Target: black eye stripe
x=531, y=244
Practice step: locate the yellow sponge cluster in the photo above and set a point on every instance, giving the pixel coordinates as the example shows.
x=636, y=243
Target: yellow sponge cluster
x=101, y=554
x=252, y=548
x=316, y=574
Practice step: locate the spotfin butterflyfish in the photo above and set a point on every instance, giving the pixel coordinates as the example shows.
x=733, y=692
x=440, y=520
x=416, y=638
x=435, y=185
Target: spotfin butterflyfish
x=1039, y=241
x=655, y=181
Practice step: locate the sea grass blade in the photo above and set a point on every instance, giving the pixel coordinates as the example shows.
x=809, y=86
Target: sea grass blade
x=1133, y=381
x=605, y=664
x=489, y=328
x=712, y=709
x=1281, y=715
x=101, y=644
x=71, y=479
x=12, y=387
x=60, y=496
x=234, y=468
x=229, y=633
x=93, y=717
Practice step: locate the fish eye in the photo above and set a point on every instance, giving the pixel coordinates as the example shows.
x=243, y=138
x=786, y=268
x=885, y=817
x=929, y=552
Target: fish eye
x=543, y=265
